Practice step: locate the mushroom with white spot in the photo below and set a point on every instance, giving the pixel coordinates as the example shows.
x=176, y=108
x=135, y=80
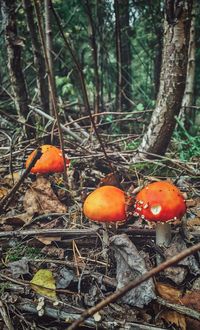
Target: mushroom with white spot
x=162, y=203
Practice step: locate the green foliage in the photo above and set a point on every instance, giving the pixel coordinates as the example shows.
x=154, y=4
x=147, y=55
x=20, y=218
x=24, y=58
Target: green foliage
x=188, y=146
x=19, y=251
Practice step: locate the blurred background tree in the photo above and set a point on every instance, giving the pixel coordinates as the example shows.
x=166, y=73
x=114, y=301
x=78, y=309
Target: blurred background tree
x=118, y=46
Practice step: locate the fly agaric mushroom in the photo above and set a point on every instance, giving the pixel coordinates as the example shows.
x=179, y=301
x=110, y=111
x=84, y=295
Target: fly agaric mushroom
x=160, y=202
x=106, y=204
x=51, y=160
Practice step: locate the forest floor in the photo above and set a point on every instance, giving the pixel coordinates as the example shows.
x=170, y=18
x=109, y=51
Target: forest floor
x=55, y=263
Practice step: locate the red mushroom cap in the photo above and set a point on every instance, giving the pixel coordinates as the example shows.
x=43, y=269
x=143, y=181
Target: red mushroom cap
x=106, y=204
x=51, y=160
x=160, y=201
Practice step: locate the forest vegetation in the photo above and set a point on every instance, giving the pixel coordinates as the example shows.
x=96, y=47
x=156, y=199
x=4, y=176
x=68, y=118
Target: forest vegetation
x=109, y=90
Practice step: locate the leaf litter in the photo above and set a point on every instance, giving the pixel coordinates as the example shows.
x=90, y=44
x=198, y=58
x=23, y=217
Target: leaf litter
x=78, y=271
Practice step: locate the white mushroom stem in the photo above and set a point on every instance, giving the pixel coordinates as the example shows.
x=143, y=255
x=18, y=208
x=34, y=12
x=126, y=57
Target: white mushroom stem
x=163, y=234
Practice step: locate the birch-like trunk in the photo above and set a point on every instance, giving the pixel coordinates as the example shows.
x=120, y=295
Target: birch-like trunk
x=172, y=79
x=188, y=97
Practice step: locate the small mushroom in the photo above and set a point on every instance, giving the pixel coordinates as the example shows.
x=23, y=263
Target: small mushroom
x=51, y=160
x=106, y=204
x=161, y=202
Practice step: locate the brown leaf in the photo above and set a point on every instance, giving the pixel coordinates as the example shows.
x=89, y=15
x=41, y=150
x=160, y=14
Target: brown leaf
x=41, y=199
x=192, y=300
x=16, y=220
x=173, y=317
x=168, y=292
x=53, y=251
x=3, y=192
x=172, y=295
x=11, y=179
x=47, y=240
x=193, y=222
x=110, y=180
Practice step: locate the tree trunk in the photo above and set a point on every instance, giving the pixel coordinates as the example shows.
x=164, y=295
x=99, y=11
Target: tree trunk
x=92, y=35
x=123, y=55
x=39, y=62
x=49, y=47
x=14, y=45
x=188, y=97
x=172, y=79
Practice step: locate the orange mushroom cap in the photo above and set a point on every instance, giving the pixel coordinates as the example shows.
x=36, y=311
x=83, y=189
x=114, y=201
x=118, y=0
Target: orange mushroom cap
x=160, y=201
x=51, y=160
x=106, y=204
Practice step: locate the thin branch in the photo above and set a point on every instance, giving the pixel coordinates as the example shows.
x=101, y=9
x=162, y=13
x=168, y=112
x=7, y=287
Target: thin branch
x=5, y=316
x=5, y=202
x=180, y=309
x=84, y=91
x=121, y=292
x=51, y=85
x=65, y=129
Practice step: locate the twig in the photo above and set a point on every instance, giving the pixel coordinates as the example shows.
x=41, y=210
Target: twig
x=62, y=232
x=121, y=292
x=52, y=89
x=180, y=309
x=65, y=129
x=74, y=233
x=84, y=90
x=27, y=305
x=8, y=198
x=5, y=316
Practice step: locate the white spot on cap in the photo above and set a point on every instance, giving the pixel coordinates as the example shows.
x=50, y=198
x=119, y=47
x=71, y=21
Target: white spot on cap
x=156, y=209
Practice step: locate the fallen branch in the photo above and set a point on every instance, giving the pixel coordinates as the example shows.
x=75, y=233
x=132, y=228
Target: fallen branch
x=5, y=316
x=180, y=309
x=119, y=293
x=26, y=305
x=51, y=119
x=8, y=198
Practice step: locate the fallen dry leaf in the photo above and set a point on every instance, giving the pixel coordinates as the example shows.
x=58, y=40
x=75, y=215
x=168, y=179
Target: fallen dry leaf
x=192, y=300
x=11, y=179
x=172, y=295
x=47, y=240
x=168, y=292
x=45, y=283
x=3, y=192
x=131, y=265
x=59, y=253
x=179, y=272
x=172, y=317
x=41, y=199
x=16, y=220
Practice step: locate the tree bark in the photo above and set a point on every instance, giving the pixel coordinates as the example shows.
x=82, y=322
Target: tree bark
x=188, y=97
x=92, y=35
x=39, y=62
x=172, y=79
x=123, y=55
x=49, y=47
x=18, y=84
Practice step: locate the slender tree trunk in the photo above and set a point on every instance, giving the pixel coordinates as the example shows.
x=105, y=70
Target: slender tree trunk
x=172, y=80
x=49, y=47
x=18, y=84
x=101, y=49
x=123, y=55
x=188, y=97
x=92, y=35
x=39, y=62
